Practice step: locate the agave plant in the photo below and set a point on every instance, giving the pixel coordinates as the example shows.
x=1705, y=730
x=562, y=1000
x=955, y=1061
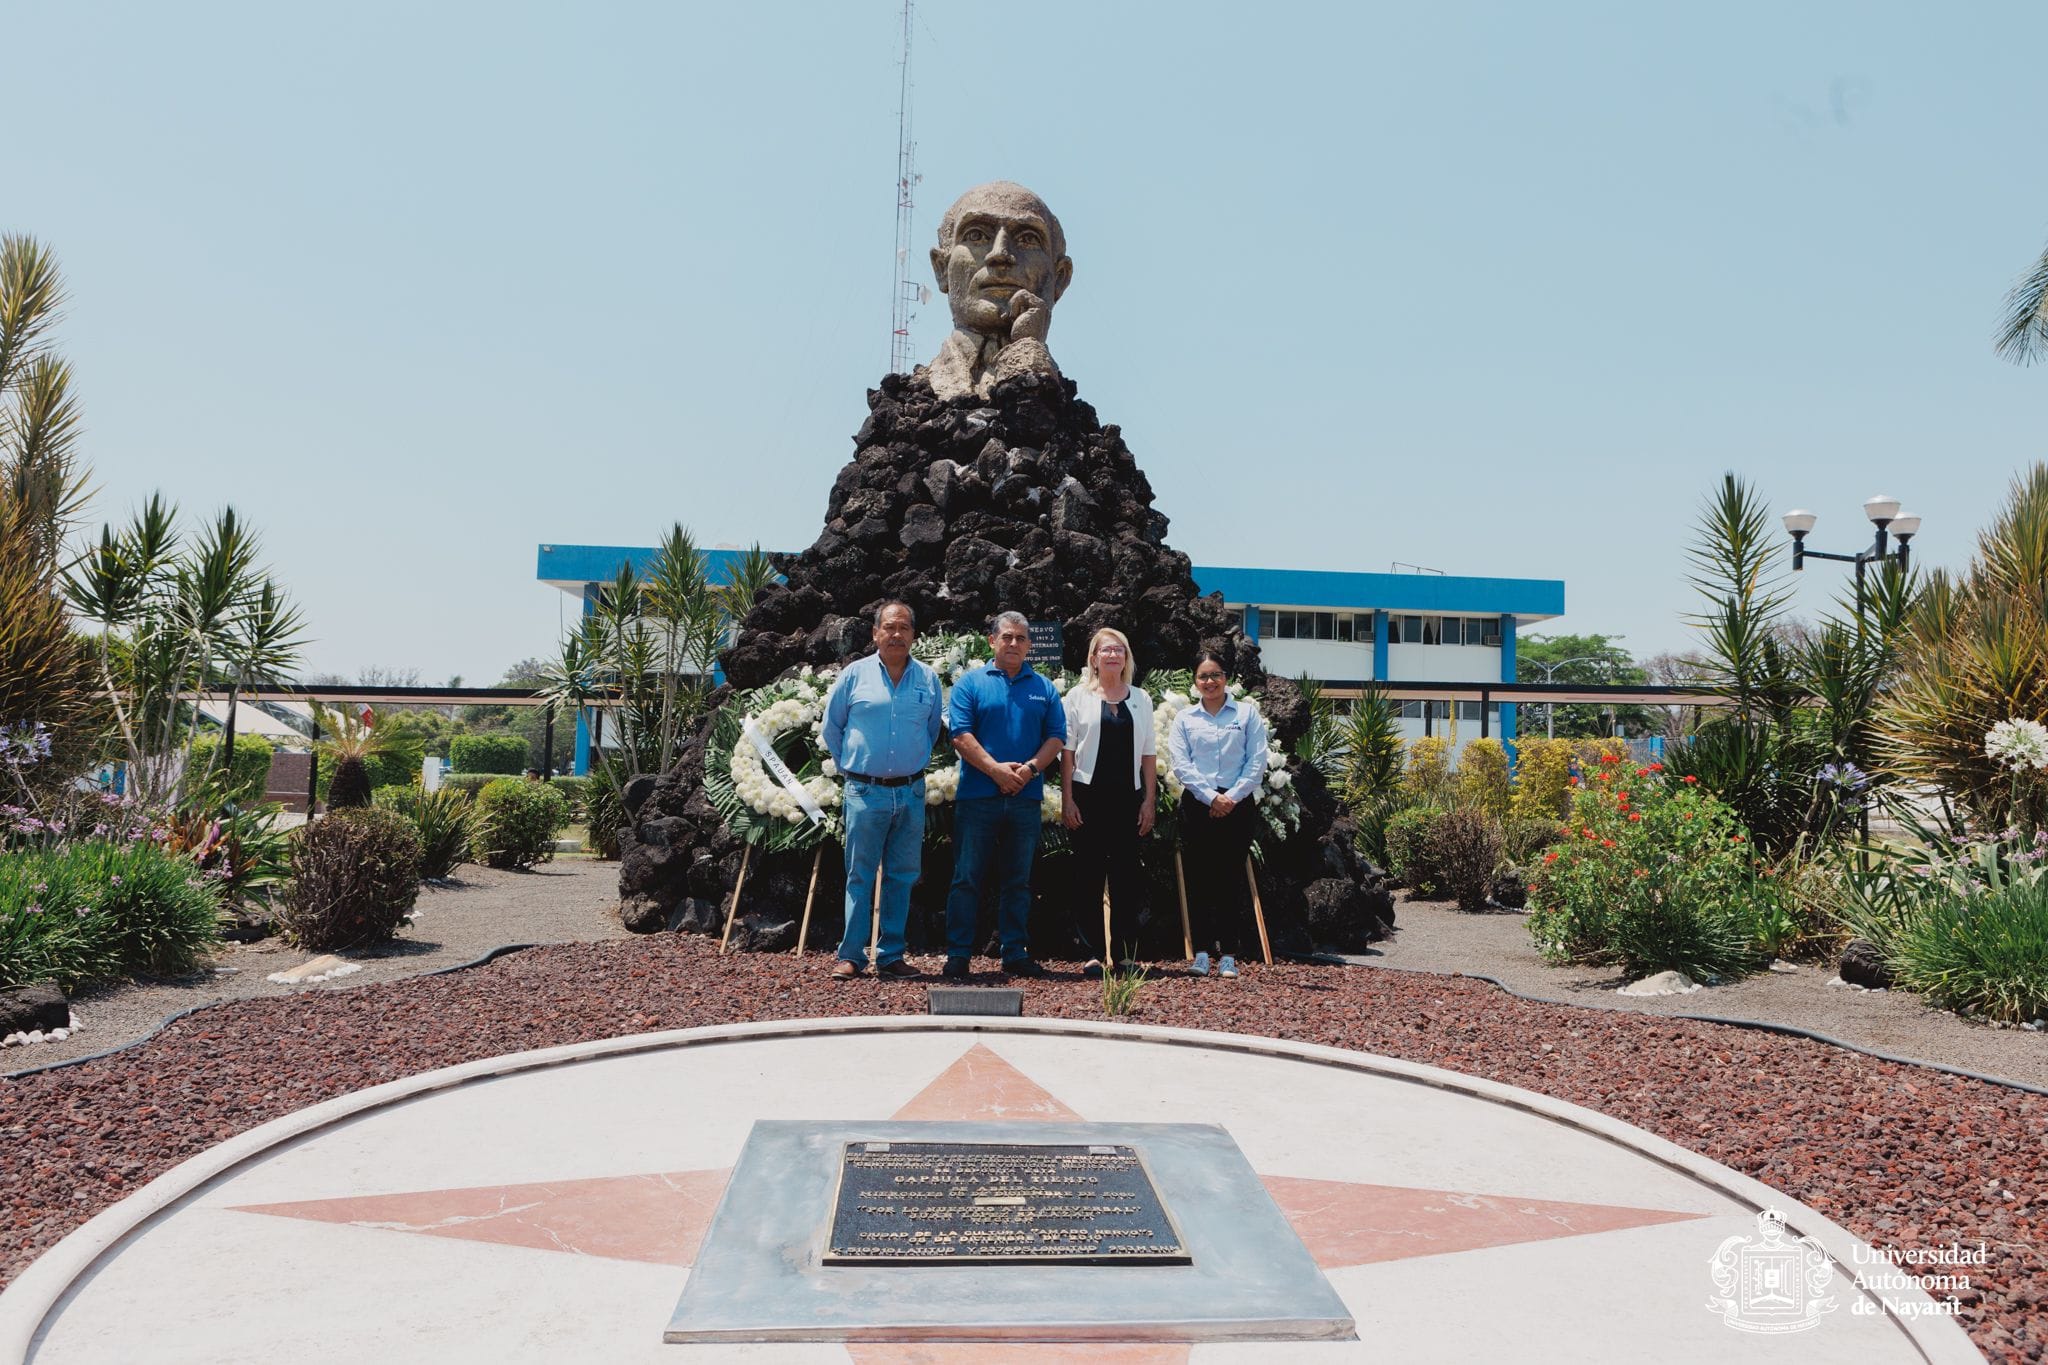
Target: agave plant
x=1974, y=653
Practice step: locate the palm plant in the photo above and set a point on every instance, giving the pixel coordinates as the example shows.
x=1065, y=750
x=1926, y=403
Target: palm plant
x=2023, y=334
x=349, y=741
x=45, y=671
x=646, y=649
x=175, y=623
x=1975, y=652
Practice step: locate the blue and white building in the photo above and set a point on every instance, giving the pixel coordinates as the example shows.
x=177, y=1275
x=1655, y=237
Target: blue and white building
x=1343, y=629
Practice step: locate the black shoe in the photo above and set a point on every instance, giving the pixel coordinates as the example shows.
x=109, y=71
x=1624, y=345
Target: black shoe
x=1024, y=966
x=1092, y=970
x=956, y=969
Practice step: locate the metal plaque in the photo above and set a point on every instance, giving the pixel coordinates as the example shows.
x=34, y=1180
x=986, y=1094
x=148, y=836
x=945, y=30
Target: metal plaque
x=1046, y=644
x=998, y=1203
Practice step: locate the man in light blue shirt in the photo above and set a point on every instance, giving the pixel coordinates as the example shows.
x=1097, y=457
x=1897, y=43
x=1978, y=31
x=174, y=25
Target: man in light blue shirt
x=1008, y=725
x=881, y=720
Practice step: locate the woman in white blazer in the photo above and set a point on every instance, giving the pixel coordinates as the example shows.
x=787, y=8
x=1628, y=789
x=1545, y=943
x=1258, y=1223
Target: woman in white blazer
x=1108, y=790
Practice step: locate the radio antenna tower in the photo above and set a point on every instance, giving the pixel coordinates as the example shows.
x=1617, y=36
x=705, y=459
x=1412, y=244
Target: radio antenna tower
x=903, y=308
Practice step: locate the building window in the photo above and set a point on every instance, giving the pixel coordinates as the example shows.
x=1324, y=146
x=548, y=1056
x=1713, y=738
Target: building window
x=1285, y=624
x=1489, y=631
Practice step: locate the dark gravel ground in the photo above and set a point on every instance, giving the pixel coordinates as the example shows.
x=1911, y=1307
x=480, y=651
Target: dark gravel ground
x=1906, y=1157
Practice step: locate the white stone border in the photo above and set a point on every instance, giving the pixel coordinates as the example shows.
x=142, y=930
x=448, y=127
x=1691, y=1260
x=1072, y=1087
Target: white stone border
x=44, y=1285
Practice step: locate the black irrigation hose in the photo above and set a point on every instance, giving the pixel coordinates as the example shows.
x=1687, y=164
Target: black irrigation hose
x=171, y=1019
x=1787, y=1030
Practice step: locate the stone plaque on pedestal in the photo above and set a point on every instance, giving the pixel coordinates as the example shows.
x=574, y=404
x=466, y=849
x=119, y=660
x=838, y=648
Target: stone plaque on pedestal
x=786, y=1259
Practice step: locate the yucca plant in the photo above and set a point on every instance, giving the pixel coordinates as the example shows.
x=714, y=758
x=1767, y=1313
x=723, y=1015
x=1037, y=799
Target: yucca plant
x=646, y=650
x=45, y=670
x=1974, y=653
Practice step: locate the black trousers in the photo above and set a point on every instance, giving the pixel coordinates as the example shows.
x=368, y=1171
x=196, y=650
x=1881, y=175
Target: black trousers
x=1106, y=850
x=1213, y=857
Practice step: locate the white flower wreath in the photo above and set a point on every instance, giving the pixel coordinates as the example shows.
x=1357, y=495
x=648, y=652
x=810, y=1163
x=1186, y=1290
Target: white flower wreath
x=797, y=706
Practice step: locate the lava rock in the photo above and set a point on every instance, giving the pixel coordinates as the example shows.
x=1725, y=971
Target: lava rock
x=1021, y=501
x=1862, y=965
x=32, y=1009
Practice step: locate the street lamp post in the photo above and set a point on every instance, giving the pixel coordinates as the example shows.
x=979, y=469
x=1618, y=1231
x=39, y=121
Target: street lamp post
x=1885, y=516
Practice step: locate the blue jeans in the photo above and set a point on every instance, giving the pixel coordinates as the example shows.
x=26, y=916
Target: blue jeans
x=885, y=830
x=992, y=836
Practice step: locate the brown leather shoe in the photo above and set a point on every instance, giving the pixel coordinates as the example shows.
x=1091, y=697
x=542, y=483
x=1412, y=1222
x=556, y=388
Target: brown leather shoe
x=842, y=970
x=899, y=969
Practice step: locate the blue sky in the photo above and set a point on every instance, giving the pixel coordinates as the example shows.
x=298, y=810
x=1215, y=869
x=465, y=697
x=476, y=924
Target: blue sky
x=1497, y=289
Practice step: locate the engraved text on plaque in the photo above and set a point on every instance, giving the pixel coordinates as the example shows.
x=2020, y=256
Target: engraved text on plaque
x=926, y=1203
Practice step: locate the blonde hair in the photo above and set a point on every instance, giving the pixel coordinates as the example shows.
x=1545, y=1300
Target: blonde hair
x=1089, y=679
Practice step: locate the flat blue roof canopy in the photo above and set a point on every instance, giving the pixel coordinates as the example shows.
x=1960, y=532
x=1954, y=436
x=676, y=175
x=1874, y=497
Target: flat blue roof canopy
x=569, y=567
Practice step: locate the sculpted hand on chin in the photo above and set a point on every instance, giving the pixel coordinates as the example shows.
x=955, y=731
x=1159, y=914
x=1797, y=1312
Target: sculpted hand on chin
x=1030, y=317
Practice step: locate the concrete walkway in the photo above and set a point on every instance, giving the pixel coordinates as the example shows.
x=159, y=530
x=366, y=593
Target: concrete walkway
x=546, y=1207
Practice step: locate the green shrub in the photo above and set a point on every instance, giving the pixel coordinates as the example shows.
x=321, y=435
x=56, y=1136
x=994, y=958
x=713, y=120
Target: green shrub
x=355, y=878
x=1411, y=850
x=1656, y=876
x=442, y=819
x=97, y=911
x=469, y=784
x=394, y=767
x=1427, y=781
x=1523, y=841
x=1464, y=848
x=252, y=766
x=576, y=790
x=1985, y=954
x=604, y=811
x=1482, y=781
x=487, y=753
x=401, y=797
x=1542, y=779
x=515, y=822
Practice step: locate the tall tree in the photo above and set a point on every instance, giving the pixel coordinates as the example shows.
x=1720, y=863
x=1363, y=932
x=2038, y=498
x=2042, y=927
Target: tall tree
x=1586, y=661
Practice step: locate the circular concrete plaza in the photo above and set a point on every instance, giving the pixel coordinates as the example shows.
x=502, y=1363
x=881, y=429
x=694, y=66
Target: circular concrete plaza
x=548, y=1206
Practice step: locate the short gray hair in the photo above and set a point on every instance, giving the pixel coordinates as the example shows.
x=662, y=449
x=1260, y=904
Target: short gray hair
x=1016, y=618
x=883, y=610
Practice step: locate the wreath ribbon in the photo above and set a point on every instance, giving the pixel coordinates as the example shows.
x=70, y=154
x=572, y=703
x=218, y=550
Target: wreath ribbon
x=772, y=761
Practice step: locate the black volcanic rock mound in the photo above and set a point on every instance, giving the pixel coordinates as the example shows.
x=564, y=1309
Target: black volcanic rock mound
x=964, y=508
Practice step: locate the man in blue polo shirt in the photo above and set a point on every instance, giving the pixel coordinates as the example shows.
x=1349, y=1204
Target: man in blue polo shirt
x=881, y=720
x=1007, y=725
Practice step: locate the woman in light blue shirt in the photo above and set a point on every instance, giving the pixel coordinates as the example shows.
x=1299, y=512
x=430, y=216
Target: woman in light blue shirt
x=1218, y=751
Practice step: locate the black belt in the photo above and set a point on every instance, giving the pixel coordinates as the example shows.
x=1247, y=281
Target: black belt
x=883, y=781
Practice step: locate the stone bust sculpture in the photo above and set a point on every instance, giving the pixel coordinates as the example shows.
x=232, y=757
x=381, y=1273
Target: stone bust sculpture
x=1002, y=264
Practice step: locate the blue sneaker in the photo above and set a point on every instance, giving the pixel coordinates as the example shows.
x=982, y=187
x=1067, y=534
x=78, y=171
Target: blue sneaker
x=1229, y=967
x=1201, y=965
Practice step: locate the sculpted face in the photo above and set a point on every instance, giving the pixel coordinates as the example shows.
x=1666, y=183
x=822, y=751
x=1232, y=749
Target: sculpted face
x=999, y=240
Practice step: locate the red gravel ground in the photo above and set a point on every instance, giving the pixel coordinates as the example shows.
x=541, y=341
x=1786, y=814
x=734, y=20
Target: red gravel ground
x=1905, y=1157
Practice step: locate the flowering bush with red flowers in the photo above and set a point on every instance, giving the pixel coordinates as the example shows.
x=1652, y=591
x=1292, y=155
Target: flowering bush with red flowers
x=1651, y=876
